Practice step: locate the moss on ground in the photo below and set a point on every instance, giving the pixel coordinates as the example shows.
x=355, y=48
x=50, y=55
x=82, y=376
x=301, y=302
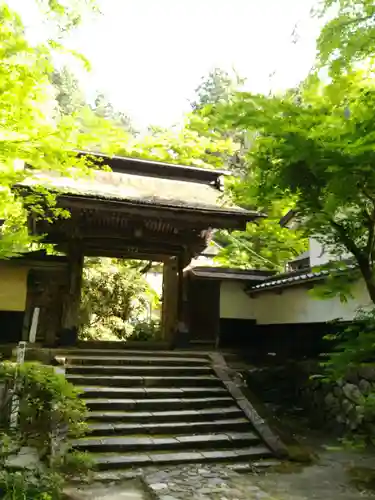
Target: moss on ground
x=362, y=477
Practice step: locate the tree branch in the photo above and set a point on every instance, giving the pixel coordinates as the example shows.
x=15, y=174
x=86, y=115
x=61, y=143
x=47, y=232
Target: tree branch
x=347, y=241
x=357, y=20
x=147, y=267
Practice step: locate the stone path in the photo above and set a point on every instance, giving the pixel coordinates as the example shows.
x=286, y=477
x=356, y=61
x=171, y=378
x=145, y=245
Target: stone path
x=202, y=483
x=327, y=479
x=193, y=482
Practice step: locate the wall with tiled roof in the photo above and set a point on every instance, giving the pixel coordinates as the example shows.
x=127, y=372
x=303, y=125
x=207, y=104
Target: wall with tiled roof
x=288, y=305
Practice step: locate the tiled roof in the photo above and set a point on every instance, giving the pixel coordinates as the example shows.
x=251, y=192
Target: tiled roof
x=145, y=182
x=294, y=278
x=141, y=189
x=223, y=273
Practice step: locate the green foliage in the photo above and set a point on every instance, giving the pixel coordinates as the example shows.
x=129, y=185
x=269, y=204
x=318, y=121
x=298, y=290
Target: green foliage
x=49, y=405
x=50, y=413
x=69, y=96
x=105, y=109
x=264, y=244
x=75, y=463
x=145, y=330
x=349, y=35
x=217, y=86
x=354, y=346
x=66, y=14
x=315, y=145
x=182, y=146
x=339, y=281
x=71, y=99
x=31, y=130
x=115, y=294
x=35, y=484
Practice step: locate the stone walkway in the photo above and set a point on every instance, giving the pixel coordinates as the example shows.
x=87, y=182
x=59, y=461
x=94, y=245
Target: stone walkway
x=328, y=479
x=202, y=483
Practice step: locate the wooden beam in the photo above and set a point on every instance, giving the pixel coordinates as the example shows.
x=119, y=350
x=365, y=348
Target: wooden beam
x=151, y=168
x=132, y=238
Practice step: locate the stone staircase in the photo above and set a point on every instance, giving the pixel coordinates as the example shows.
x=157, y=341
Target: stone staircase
x=158, y=408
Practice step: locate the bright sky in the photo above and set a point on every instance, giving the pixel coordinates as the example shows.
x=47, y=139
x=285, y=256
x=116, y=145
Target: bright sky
x=148, y=56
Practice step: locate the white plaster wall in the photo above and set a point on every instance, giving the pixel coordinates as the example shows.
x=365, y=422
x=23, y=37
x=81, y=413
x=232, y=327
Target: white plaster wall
x=234, y=302
x=202, y=260
x=297, y=305
x=293, y=305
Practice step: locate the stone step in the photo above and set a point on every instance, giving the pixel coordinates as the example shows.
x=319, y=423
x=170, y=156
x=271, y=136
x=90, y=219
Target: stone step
x=146, y=345
x=157, y=404
x=150, y=392
x=141, y=370
x=165, y=443
x=135, y=360
x=123, y=461
x=215, y=413
x=132, y=352
x=164, y=428
x=139, y=381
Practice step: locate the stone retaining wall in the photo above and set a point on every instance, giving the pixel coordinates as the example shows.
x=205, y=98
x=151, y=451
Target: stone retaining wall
x=342, y=407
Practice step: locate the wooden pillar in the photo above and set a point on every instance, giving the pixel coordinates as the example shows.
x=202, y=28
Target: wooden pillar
x=180, y=288
x=184, y=260
x=170, y=298
x=70, y=315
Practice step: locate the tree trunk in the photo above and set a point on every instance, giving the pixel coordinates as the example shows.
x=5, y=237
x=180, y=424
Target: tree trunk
x=368, y=276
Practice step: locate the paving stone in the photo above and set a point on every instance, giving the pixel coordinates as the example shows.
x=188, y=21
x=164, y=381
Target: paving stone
x=158, y=486
x=220, y=484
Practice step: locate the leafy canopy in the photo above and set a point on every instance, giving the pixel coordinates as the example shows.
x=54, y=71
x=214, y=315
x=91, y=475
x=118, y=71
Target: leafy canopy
x=183, y=146
x=115, y=294
x=349, y=36
x=264, y=244
x=316, y=144
x=217, y=86
x=32, y=132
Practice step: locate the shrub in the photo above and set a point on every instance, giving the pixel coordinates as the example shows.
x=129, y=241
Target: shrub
x=50, y=413
x=49, y=406
x=355, y=350
x=145, y=330
x=35, y=484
